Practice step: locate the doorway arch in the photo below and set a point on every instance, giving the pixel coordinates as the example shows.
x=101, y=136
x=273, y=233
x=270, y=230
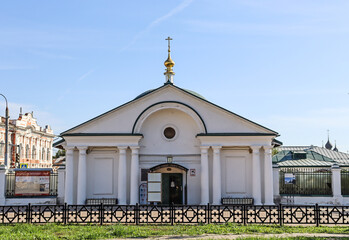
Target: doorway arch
x=174, y=180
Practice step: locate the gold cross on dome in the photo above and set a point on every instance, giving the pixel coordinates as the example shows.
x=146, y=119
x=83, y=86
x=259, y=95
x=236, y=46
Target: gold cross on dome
x=168, y=39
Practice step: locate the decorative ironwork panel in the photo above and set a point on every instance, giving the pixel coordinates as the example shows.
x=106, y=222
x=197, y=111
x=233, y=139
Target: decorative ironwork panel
x=14, y=214
x=47, y=213
x=154, y=214
x=262, y=214
x=190, y=214
x=333, y=214
x=83, y=214
x=119, y=214
x=224, y=214
x=299, y=214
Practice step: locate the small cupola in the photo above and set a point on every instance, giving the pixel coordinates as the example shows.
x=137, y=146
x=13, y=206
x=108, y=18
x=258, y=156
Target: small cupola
x=169, y=63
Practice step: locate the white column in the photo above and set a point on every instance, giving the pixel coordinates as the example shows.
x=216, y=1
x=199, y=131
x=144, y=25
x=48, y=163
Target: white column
x=122, y=176
x=256, y=175
x=134, y=176
x=69, y=175
x=268, y=177
x=336, y=184
x=205, y=198
x=216, y=178
x=276, y=181
x=81, y=193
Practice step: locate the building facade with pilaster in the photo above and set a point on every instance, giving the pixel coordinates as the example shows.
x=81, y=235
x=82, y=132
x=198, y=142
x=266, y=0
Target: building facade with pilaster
x=29, y=144
x=200, y=152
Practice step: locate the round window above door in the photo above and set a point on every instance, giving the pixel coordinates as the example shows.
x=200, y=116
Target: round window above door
x=169, y=132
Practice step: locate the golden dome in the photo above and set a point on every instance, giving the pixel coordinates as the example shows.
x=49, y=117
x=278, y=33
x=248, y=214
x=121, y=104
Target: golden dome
x=169, y=62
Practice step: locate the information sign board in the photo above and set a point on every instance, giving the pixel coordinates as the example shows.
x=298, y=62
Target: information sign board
x=32, y=183
x=290, y=178
x=154, y=187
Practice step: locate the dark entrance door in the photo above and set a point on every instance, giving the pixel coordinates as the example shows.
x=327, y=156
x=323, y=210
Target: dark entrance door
x=172, y=188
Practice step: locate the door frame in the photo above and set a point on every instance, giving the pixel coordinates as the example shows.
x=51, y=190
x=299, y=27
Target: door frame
x=174, y=168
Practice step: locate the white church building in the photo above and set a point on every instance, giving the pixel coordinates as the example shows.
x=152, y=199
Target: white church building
x=169, y=145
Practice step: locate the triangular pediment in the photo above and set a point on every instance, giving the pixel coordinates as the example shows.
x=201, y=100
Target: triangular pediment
x=217, y=120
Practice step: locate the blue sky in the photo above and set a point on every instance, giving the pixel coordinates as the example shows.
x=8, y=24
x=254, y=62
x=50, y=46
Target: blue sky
x=283, y=64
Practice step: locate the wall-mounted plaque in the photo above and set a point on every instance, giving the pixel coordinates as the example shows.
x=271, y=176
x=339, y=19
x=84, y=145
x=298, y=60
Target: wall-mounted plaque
x=154, y=187
x=290, y=178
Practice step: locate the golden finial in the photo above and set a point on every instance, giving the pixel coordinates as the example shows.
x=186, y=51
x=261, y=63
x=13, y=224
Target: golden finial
x=169, y=63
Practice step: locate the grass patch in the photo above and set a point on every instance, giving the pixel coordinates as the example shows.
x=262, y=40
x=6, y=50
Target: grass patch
x=57, y=231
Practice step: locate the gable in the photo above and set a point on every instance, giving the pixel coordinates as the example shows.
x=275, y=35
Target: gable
x=216, y=119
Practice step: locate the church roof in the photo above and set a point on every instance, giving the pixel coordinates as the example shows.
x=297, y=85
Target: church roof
x=187, y=90
x=169, y=84
x=290, y=153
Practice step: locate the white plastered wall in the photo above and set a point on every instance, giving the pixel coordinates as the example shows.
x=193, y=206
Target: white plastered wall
x=236, y=173
x=102, y=169
x=184, y=148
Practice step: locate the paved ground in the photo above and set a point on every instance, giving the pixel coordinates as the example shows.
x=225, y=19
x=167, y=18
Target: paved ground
x=242, y=236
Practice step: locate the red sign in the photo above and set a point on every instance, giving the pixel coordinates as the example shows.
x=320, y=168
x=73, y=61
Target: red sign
x=32, y=183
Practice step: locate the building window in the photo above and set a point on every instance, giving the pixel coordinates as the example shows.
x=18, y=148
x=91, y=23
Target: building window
x=33, y=153
x=48, y=154
x=169, y=132
x=43, y=154
x=20, y=151
x=27, y=151
x=144, y=174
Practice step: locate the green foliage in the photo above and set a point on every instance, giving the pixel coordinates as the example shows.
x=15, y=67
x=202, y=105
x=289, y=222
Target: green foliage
x=274, y=151
x=60, y=153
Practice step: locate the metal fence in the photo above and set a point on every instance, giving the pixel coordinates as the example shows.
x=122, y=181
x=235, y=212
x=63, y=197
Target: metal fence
x=11, y=182
x=345, y=181
x=183, y=214
x=306, y=181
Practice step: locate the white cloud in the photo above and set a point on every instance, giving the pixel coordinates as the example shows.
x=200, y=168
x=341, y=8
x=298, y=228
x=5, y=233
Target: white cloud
x=68, y=90
x=157, y=21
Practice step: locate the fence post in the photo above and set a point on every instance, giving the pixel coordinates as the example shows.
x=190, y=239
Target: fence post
x=3, y=185
x=137, y=213
x=208, y=213
x=317, y=215
x=65, y=209
x=28, y=213
x=172, y=213
x=281, y=215
x=244, y=214
x=101, y=213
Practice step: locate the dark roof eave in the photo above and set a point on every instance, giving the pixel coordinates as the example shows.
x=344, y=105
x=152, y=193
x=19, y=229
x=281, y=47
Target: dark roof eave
x=100, y=134
x=58, y=143
x=235, y=134
x=304, y=166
